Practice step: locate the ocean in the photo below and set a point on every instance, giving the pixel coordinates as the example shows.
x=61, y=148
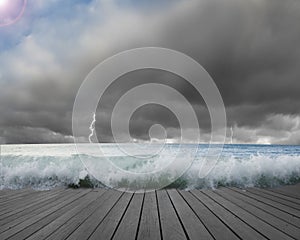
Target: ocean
x=47, y=166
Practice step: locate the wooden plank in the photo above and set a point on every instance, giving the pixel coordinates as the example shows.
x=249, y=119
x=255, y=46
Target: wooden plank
x=7, y=206
x=149, y=226
x=13, y=193
x=106, y=228
x=171, y=227
x=69, y=209
x=286, y=193
x=85, y=230
x=18, y=196
x=172, y=214
x=269, y=202
x=275, y=199
x=278, y=195
x=53, y=211
x=215, y=226
x=104, y=205
x=15, y=196
x=264, y=207
x=33, y=195
x=129, y=223
x=292, y=191
x=4, y=191
x=20, y=217
x=256, y=223
x=188, y=218
x=65, y=224
x=241, y=228
x=279, y=224
x=28, y=202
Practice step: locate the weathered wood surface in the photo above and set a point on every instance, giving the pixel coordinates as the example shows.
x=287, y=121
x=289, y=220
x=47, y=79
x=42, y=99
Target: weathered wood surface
x=226, y=213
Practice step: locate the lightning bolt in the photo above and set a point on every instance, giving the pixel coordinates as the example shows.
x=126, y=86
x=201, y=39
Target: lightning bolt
x=92, y=127
x=231, y=138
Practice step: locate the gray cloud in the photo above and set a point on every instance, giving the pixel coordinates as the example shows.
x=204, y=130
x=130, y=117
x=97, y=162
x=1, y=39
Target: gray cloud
x=250, y=48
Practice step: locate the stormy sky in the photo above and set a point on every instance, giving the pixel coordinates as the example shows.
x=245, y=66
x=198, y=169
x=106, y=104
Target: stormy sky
x=250, y=48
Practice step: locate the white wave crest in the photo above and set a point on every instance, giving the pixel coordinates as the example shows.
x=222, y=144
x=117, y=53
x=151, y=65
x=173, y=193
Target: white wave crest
x=48, y=166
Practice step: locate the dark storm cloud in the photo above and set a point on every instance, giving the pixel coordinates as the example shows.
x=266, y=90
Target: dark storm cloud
x=250, y=48
x=29, y=135
x=150, y=114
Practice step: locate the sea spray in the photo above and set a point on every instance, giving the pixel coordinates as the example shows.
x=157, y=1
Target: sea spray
x=48, y=166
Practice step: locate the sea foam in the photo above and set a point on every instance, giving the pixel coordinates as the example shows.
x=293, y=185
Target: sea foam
x=48, y=166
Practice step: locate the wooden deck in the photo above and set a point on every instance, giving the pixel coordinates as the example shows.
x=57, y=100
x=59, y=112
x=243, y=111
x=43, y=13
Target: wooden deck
x=227, y=213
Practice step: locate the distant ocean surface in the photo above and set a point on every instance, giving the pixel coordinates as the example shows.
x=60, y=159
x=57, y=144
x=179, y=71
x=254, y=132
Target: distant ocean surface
x=47, y=166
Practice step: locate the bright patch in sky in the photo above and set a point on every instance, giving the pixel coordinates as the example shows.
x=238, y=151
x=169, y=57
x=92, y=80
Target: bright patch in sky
x=3, y=3
x=11, y=11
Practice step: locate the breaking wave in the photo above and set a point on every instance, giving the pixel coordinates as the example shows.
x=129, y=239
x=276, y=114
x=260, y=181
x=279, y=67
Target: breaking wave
x=48, y=166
